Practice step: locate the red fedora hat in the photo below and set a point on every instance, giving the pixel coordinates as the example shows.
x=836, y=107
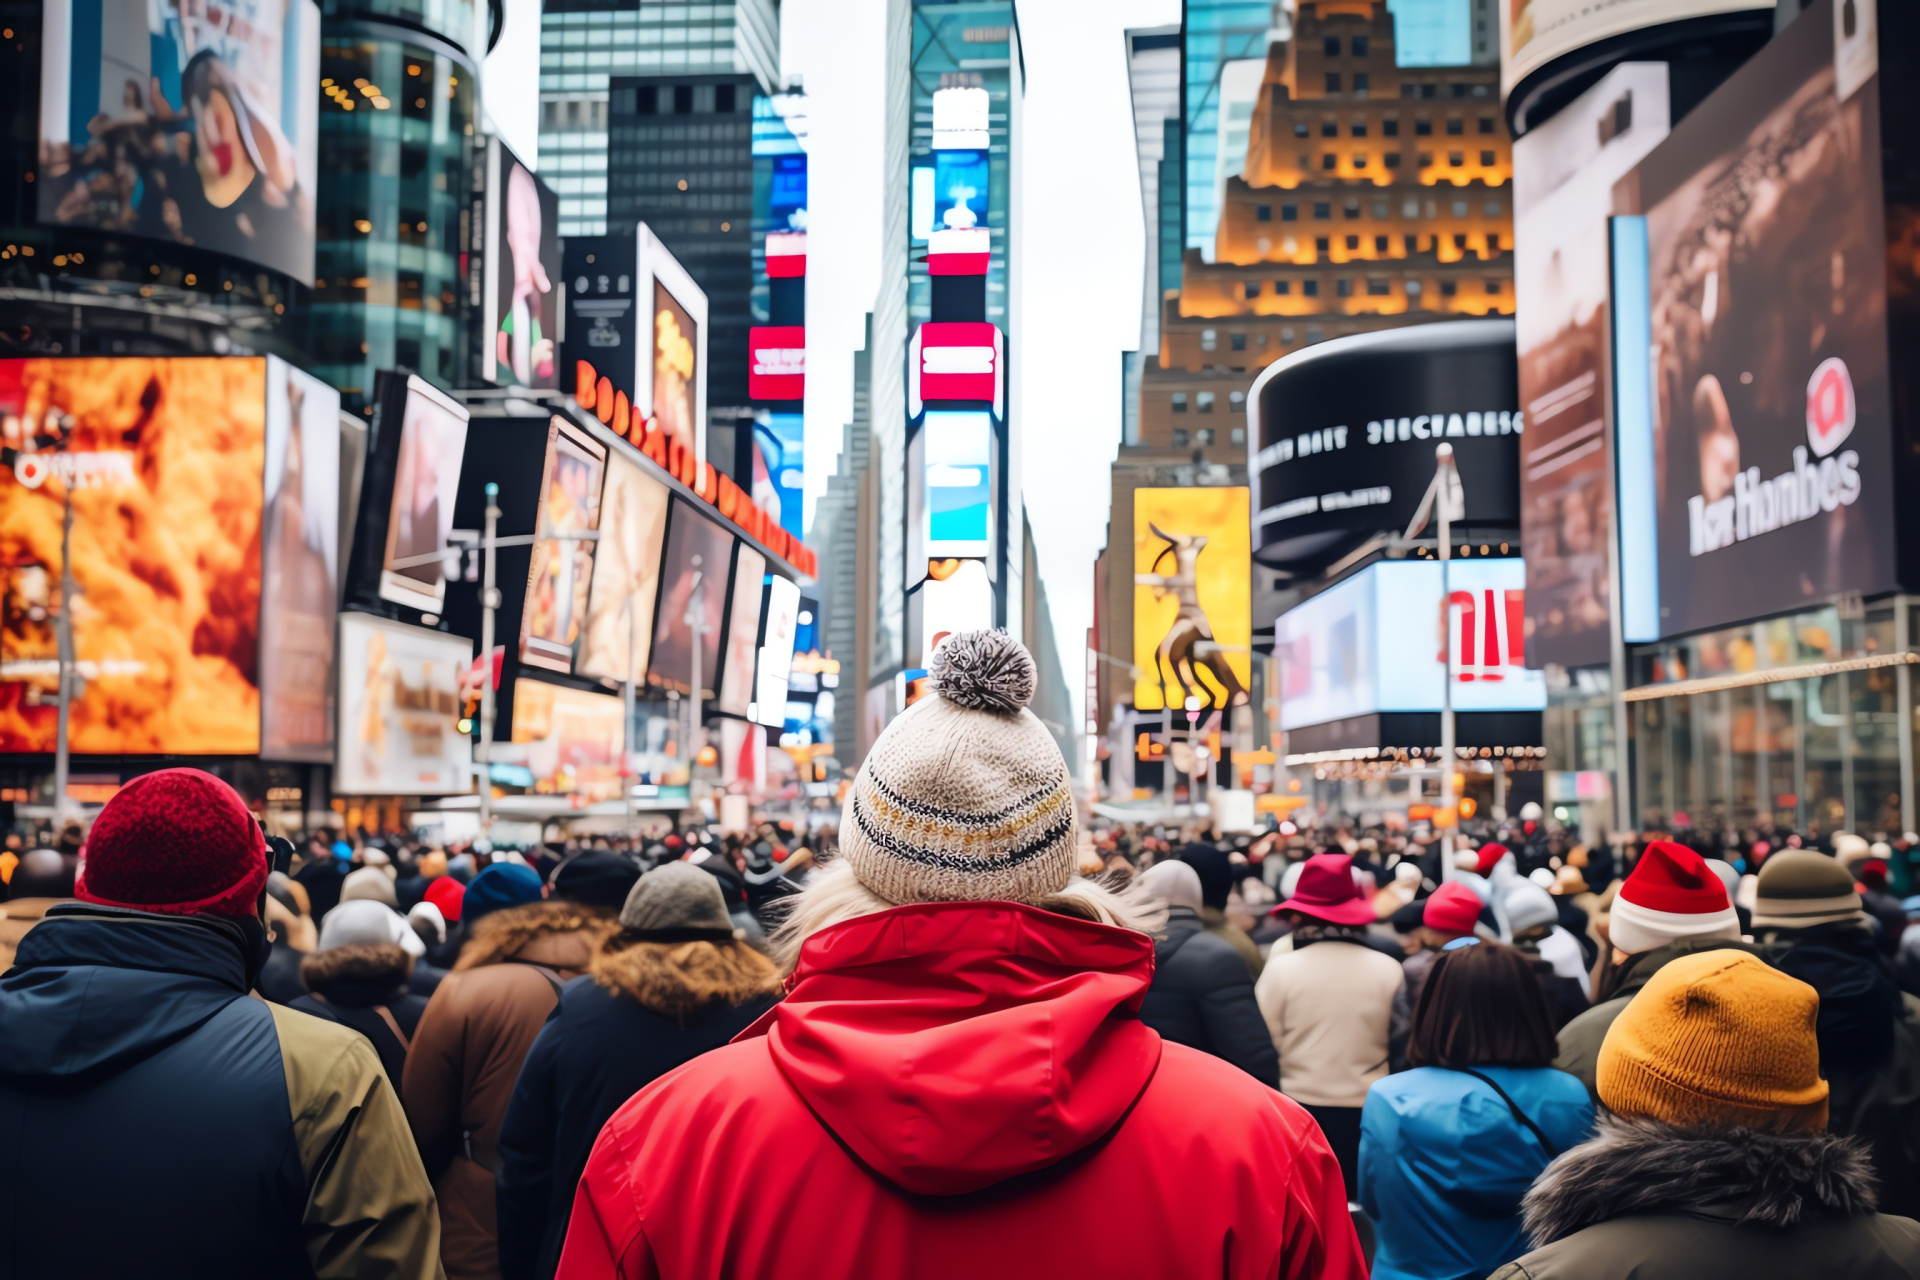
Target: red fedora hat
x=1327, y=892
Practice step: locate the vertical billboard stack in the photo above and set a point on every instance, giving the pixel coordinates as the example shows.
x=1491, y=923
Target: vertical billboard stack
x=775, y=469
x=956, y=392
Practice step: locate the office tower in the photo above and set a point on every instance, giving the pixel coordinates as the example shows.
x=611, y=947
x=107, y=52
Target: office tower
x=1153, y=78
x=1223, y=42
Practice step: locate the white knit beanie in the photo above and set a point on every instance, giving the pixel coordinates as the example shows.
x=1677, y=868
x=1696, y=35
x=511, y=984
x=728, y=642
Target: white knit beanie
x=965, y=796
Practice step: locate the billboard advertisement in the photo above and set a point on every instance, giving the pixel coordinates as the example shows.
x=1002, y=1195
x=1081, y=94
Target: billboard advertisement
x=573, y=739
x=163, y=460
x=959, y=190
x=743, y=633
x=193, y=124
x=781, y=442
x=777, y=362
x=626, y=574
x=1341, y=437
x=400, y=710
x=1535, y=32
x=957, y=596
x=691, y=537
x=522, y=251
x=954, y=360
x=426, y=478
x=300, y=565
x=1378, y=641
x=1192, y=607
x=599, y=271
x=561, y=569
x=670, y=365
x=1563, y=176
x=776, y=652
x=1772, y=417
x=957, y=471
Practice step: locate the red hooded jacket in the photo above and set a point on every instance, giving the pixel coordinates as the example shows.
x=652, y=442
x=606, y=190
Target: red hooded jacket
x=961, y=1090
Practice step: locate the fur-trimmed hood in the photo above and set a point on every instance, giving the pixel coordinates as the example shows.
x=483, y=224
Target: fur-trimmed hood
x=362, y=974
x=561, y=935
x=676, y=978
x=1744, y=1176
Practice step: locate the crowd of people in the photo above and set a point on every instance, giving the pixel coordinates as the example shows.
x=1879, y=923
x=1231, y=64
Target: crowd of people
x=967, y=1033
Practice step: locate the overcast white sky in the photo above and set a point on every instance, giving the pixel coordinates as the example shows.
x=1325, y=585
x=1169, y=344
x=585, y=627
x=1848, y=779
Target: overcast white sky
x=1081, y=246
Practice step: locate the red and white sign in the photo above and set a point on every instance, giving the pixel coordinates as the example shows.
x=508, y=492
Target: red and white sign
x=1830, y=406
x=959, y=252
x=1488, y=631
x=956, y=361
x=786, y=255
x=777, y=362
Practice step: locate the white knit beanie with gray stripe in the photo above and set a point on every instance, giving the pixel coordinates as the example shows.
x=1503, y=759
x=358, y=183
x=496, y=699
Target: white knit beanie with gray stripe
x=965, y=795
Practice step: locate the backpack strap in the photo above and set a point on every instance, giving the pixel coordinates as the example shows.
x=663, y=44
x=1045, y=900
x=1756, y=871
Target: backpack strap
x=1518, y=1114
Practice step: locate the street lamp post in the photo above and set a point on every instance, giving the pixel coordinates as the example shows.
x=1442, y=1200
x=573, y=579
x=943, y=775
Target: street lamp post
x=489, y=601
x=695, y=619
x=1447, y=495
x=63, y=632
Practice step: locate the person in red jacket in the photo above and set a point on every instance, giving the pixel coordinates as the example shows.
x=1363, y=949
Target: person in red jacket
x=958, y=1083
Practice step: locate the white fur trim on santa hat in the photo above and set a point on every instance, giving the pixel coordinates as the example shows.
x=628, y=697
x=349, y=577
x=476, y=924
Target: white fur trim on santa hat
x=1634, y=929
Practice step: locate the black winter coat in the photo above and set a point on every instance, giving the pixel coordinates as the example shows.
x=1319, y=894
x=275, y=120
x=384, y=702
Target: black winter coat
x=365, y=987
x=1202, y=997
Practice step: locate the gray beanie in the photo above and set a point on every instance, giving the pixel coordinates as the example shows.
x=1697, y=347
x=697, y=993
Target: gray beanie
x=1175, y=883
x=965, y=796
x=677, y=902
x=1529, y=906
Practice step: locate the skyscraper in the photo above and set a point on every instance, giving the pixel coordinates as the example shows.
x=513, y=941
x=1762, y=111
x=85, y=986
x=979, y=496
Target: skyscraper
x=1215, y=36
x=1153, y=78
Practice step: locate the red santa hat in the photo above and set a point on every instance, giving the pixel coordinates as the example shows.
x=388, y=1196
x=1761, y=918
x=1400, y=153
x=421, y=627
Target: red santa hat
x=1672, y=895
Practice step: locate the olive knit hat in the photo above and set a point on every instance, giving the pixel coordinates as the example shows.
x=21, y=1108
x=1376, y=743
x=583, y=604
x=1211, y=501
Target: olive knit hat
x=965, y=796
x=1718, y=1039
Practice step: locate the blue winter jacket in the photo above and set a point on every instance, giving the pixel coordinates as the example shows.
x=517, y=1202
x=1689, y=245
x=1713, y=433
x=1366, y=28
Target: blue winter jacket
x=1444, y=1163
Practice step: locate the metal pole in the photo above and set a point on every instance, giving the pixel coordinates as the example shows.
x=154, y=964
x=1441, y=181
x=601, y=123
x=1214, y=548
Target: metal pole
x=489, y=601
x=1903, y=689
x=696, y=626
x=626, y=738
x=1444, y=500
x=63, y=630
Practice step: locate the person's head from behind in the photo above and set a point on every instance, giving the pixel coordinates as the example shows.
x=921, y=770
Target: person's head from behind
x=1672, y=896
x=42, y=873
x=176, y=842
x=676, y=948
x=1481, y=1007
x=1451, y=911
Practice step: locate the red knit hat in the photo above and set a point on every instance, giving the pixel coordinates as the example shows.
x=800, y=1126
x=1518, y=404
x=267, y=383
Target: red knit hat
x=1489, y=854
x=1326, y=891
x=178, y=841
x=1672, y=895
x=447, y=894
x=1453, y=908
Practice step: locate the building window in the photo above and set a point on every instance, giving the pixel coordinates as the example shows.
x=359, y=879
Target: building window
x=1413, y=288
x=1253, y=288
x=1359, y=159
x=1179, y=406
x=1260, y=341
x=1448, y=288
x=1491, y=208
x=1423, y=128
x=1378, y=288
x=1412, y=243
x=1300, y=129
x=1209, y=339
x=1493, y=286
x=1358, y=128
x=1283, y=287
x=1238, y=341
x=1322, y=244
x=1329, y=160
x=1359, y=46
x=1204, y=403
x=1353, y=243
x=1429, y=90
x=1240, y=433
x=1310, y=288
x=1426, y=159
x=723, y=99
x=1344, y=288
x=1391, y=127
x=1459, y=240
x=1456, y=158
x=1329, y=128
x=1204, y=436
x=1333, y=46
x=1380, y=244
x=1360, y=83
x=1486, y=159
x=1493, y=244
x=1486, y=124
x=1180, y=436
x=1289, y=213
x=1456, y=126
x=683, y=99
x=1237, y=403
x=1286, y=337
x=1391, y=159
x=1461, y=90
x=1459, y=208
x=1263, y=213
x=1353, y=209
x=1333, y=82
x=1316, y=333
x=1322, y=209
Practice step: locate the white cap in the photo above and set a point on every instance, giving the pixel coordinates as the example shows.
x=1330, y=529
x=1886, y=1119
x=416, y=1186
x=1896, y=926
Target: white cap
x=364, y=922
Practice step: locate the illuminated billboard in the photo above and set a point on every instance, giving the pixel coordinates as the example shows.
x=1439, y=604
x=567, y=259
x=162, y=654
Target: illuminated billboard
x=775, y=668
x=400, y=710
x=300, y=565
x=561, y=569
x=626, y=574
x=670, y=356
x=522, y=263
x=743, y=633
x=423, y=466
x=781, y=441
x=1535, y=32
x=777, y=362
x=955, y=360
x=573, y=739
x=957, y=596
x=691, y=538
x=192, y=124
x=958, y=500
x=1192, y=612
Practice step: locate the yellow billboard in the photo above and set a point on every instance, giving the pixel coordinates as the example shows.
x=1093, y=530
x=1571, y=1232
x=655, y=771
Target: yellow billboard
x=1192, y=597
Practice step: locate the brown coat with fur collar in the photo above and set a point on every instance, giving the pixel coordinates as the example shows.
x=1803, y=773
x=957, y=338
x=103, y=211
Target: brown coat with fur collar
x=467, y=1054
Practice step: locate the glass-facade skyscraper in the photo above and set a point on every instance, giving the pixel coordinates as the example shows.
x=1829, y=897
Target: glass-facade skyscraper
x=1214, y=33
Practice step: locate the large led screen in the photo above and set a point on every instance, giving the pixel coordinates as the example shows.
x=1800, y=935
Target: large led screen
x=675, y=367
x=743, y=633
x=1766, y=249
x=190, y=123
x=574, y=739
x=626, y=574
x=400, y=710
x=690, y=537
x=162, y=459
x=1535, y=32
x=562, y=564
x=958, y=500
x=522, y=266
x=957, y=596
x=1192, y=612
x=300, y=565
x=1563, y=176
x=426, y=478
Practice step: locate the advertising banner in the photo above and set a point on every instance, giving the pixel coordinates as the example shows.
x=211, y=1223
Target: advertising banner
x=523, y=266
x=670, y=360
x=400, y=710
x=954, y=360
x=300, y=559
x=426, y=478
x=781, y=441
x=1192, y=607
x=1564, y=173
x=626, y=574
x=1766, y=250
x=601, y=320
x=690, y=536
x=776, y=652
x=777, y=362
x=163, y=460
x=562, y=566
x=743, y=633
x=1535, y=32
x=573, y=739
x=957, y=596
x=957, y=468
x=193, y=124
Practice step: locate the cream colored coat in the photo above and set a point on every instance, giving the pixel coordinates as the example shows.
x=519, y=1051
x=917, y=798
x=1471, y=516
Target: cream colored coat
x=1329, y=1008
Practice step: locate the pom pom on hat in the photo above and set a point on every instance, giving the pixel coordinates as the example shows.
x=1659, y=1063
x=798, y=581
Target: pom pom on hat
x=1672, y=894
x=984, y=671
x=177, y=841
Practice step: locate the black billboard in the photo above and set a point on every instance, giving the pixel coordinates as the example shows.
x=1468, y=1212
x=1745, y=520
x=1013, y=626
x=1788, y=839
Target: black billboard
x=1344, y=436
x=601, y=325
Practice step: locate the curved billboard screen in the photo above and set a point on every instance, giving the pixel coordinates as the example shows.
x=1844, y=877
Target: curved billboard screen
x=1535, y=32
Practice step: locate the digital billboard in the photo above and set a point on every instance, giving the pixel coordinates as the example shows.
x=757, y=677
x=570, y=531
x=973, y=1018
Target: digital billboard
x=1563, y=176
x=957, y=596
x=1772, y=417
x=1342, y=435
x=193, y=124
x=426, y=478
x=626, y=574
x=782, y=444
x=561, y=569
x=670, y=353
x=743, y=633
x=400, y=710
x=300, y=563
x=959, y=190
x=956, y=468
x=1535, y=32
x=777, y=362
x=601, y=320
x=690, y=536
x=1192, y=611
x=775, y=666
x=522, y=257
x=574, y=739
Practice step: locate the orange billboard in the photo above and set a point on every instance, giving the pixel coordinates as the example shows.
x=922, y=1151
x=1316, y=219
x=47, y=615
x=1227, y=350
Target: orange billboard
x=1192, y=597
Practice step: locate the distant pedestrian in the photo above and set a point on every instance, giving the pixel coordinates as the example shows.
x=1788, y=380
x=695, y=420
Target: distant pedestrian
x=42, y=879
x=1448, y=1148
x=1448, y=914
x=359, y=977
x=1714, y=1162
x=1202, y=996
x=1218, y=874
x=294, y=939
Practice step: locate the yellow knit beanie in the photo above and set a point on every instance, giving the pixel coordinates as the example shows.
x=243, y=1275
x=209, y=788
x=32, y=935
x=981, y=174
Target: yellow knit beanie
x=1717, y=1040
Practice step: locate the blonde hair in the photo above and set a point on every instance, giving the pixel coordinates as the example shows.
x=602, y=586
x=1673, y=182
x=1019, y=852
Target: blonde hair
x=834, y=895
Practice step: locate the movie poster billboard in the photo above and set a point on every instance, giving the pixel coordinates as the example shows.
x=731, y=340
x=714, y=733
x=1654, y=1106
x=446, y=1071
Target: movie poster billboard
x=522, y=268
x=675, y=367
x=574, y=739
x=743, y=633
x=300, y=565
x=1766, y=258
x=561, y=569
x=162, y=459
x=670, y=355
x=189, y=123
x=691, y=537
x=1563, y=176
x=1535, y=32
x=1192, y=607
x=400, y=710
x=426, y=478
x=618, y=641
